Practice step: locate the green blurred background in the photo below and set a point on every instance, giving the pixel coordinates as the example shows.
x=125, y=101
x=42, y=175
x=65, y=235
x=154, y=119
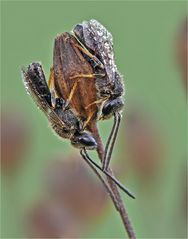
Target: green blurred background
x=150, y=153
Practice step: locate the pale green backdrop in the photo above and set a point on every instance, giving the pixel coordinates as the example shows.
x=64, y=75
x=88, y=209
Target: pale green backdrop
x=144, y=40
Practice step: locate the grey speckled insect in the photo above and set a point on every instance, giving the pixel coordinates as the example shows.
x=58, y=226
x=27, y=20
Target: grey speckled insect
x=99, y=42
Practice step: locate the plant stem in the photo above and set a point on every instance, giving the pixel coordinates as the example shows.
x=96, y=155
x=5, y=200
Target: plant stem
x=118, y=203
x=101, y=179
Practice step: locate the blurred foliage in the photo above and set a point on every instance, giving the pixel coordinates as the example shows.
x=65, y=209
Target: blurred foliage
x=150, y=152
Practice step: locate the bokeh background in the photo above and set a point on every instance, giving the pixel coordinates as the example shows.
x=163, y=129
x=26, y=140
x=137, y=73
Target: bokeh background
x=46, y=189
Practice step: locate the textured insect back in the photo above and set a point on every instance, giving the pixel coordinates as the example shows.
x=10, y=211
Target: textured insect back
x=103, y=43
x=36, y=86
x=104, y=48
x=96, y=38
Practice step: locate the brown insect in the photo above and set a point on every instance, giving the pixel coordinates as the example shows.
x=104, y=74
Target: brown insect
x=70, y=99
x=72, y=78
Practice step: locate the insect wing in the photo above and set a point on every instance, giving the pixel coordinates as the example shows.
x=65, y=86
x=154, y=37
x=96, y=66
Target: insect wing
x=68, y=64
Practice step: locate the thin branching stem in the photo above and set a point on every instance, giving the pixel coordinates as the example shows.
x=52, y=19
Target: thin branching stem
x=101, y=179
x=118, y=203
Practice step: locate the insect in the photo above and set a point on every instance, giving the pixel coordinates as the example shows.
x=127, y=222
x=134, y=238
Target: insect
x=72, y=78
x=98, y=44
x=62, y=118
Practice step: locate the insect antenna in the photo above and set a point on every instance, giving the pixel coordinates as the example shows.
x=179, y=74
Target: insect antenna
x=86, y=157
x=111, y=141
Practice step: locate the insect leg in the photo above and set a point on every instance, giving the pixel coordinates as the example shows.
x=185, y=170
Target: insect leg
x=87, y=76
x=121, y=186
x=95, y=103
x=111, y=141
x=52, y=87
x=108, y=142
x=51, y=79
x=78, y=78
x=88, y=120
x=72, y=92
x=90, y=55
